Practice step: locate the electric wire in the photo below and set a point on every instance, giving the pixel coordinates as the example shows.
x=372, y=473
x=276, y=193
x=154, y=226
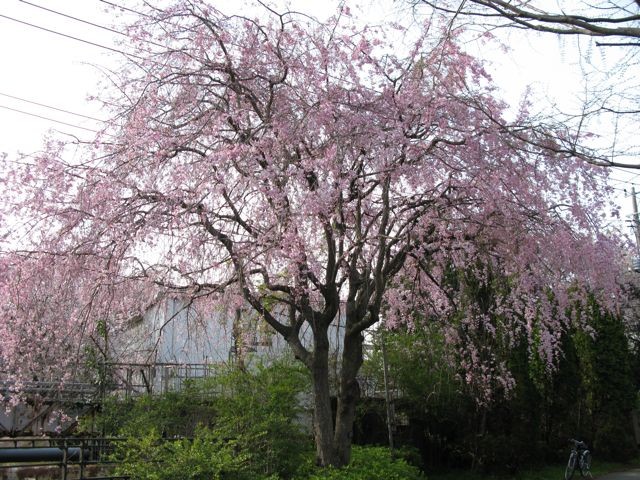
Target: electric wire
x=48, y=119
x=633, y=176
x=50, y=107
x=72, y=37
x=618, y=189
x=619, y=181
x=115, y=5
x=627, y=181
x=72, y=17
x=335, y=77
x=125, y=8
x=624, y=169
x=97, y=25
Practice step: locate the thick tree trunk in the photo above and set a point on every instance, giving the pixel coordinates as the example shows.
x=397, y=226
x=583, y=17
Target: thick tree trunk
x=322, y=413
x=333, y=439
x=348, y=396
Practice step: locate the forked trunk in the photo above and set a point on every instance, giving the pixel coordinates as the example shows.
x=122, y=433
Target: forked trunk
x=326, y=453
x=348, y=396
x=333, y=444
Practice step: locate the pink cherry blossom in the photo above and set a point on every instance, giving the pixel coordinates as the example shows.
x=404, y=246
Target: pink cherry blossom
x=282, y=161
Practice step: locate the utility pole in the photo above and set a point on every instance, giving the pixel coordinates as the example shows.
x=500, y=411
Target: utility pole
x=635, y=221
x=387, y=394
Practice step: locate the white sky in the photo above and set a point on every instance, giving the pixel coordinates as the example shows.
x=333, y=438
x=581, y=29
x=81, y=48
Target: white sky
x=46, y=68
x=61, y=72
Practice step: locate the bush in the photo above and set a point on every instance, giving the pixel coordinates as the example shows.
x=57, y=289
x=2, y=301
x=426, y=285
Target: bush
x=615, y=442
x=505, y=453
x=248, y=428
x=259, y=410
x=172, y=414
x=370, y=463
x=206, y=457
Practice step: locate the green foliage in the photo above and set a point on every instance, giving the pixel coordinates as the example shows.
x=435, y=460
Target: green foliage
x=614, y=441
x=420, y=367
x=172, y=414
x=611, y=393
x=248, y=427
x=205, y=457
x=370, y=463
x=260, y=410
x=108, y=421
x=589, y=395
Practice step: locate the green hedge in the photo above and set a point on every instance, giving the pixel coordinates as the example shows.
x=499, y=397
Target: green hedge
x=370, y=463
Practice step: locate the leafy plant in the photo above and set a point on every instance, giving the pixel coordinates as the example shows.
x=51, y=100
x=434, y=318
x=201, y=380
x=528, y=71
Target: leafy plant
x=205, y=457
x=370, y=463
x=261, y=410
x=171, y=414
x=250, y=427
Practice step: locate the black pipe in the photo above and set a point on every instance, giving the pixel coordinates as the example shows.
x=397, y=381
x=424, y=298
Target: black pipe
x=17, y=455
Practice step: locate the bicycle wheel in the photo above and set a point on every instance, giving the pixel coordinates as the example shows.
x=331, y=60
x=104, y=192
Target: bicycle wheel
x=585, y=463
x=571, y=466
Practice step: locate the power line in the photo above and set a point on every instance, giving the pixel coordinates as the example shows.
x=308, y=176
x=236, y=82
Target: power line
x=72, y=37
x=619, y=181
x=619, y=189
x=51, y=107
x=624, y=169
x=335, y=77
x=629, y=180
x=125, y=8
x=48, y=118
x=97, y=25
x=73, y=18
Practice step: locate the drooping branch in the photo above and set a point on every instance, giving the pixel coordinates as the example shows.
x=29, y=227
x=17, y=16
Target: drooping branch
x=538, y=20
x=303, y=165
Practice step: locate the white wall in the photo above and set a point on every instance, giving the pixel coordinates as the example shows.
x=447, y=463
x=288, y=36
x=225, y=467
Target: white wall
x=174, y=332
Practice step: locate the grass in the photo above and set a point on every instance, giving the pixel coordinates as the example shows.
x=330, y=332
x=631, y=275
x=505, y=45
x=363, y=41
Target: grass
x=555, y=472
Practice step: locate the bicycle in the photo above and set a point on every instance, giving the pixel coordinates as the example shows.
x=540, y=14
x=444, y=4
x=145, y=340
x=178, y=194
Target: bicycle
x=580, y=456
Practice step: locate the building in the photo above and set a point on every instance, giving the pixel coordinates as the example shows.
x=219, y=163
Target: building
x=155, y=353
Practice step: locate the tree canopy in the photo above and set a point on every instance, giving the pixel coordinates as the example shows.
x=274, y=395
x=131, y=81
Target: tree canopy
x=602, y=38
x=303, y=169
x=608, y=19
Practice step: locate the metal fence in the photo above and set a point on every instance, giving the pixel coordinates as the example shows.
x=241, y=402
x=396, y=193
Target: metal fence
x=124, y=379
x=71, y=458
x=129, y=380
x=133, y=379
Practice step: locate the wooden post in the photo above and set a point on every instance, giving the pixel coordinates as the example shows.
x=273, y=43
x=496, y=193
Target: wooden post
x=64, y=461
x=387, y=395
x=82, y=449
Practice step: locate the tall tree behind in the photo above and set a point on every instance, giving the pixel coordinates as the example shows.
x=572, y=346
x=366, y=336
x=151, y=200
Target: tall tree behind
x=613, y=390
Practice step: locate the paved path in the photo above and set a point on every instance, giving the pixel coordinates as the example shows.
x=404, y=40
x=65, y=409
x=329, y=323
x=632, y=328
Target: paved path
x=630, y=475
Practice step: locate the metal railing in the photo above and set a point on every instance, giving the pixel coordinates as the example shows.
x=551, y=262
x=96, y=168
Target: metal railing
x=133, y=379
x=125, y=379
x=130, y=380
x=73, y=458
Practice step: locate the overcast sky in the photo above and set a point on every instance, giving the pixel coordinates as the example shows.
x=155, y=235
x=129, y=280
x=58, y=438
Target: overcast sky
x=57, y=71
